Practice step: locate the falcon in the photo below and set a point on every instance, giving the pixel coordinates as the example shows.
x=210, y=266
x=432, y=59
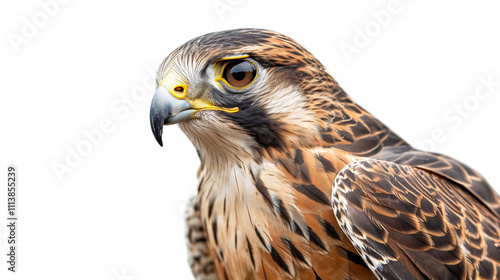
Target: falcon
x=297, y=181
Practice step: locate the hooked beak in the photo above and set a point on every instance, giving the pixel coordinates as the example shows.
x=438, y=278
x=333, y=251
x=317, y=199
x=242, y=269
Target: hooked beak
x=169, y=109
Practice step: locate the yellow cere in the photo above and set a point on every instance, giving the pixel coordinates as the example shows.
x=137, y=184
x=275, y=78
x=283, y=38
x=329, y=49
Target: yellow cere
x=173, y=81
x=177, y=86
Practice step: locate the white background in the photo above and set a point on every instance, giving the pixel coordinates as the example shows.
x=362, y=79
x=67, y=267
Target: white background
x=119, y=213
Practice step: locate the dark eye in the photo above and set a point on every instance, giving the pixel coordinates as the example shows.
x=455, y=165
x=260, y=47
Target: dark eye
x=240, y=73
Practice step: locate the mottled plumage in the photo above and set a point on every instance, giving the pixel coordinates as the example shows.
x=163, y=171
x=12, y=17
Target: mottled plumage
x=297, y=181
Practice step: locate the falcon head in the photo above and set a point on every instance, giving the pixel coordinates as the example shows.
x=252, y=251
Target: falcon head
x=239, y=91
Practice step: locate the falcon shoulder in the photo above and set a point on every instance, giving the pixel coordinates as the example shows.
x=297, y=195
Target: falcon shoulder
x=427, y=221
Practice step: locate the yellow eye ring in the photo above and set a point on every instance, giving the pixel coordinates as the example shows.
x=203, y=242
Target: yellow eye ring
x=237, y=72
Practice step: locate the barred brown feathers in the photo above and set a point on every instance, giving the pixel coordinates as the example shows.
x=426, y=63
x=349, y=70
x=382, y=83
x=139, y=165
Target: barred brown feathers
x=297, y=181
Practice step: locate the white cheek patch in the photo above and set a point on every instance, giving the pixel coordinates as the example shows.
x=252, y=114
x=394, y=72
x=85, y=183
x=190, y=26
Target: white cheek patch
x=285, y=101
x=288, y=106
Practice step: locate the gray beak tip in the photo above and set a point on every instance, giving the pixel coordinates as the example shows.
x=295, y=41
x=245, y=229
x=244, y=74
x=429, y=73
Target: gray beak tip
x=166, y=109
x=159, y=112
x=158, y=139
x=157, y=128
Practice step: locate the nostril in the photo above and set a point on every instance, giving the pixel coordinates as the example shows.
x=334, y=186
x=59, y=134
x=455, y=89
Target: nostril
x=179, y=91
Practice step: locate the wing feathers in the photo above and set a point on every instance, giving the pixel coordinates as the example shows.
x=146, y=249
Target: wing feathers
x=405, y=221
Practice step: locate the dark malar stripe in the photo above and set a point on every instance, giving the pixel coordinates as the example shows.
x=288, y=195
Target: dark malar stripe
x=252, y=118
x=313, y=193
